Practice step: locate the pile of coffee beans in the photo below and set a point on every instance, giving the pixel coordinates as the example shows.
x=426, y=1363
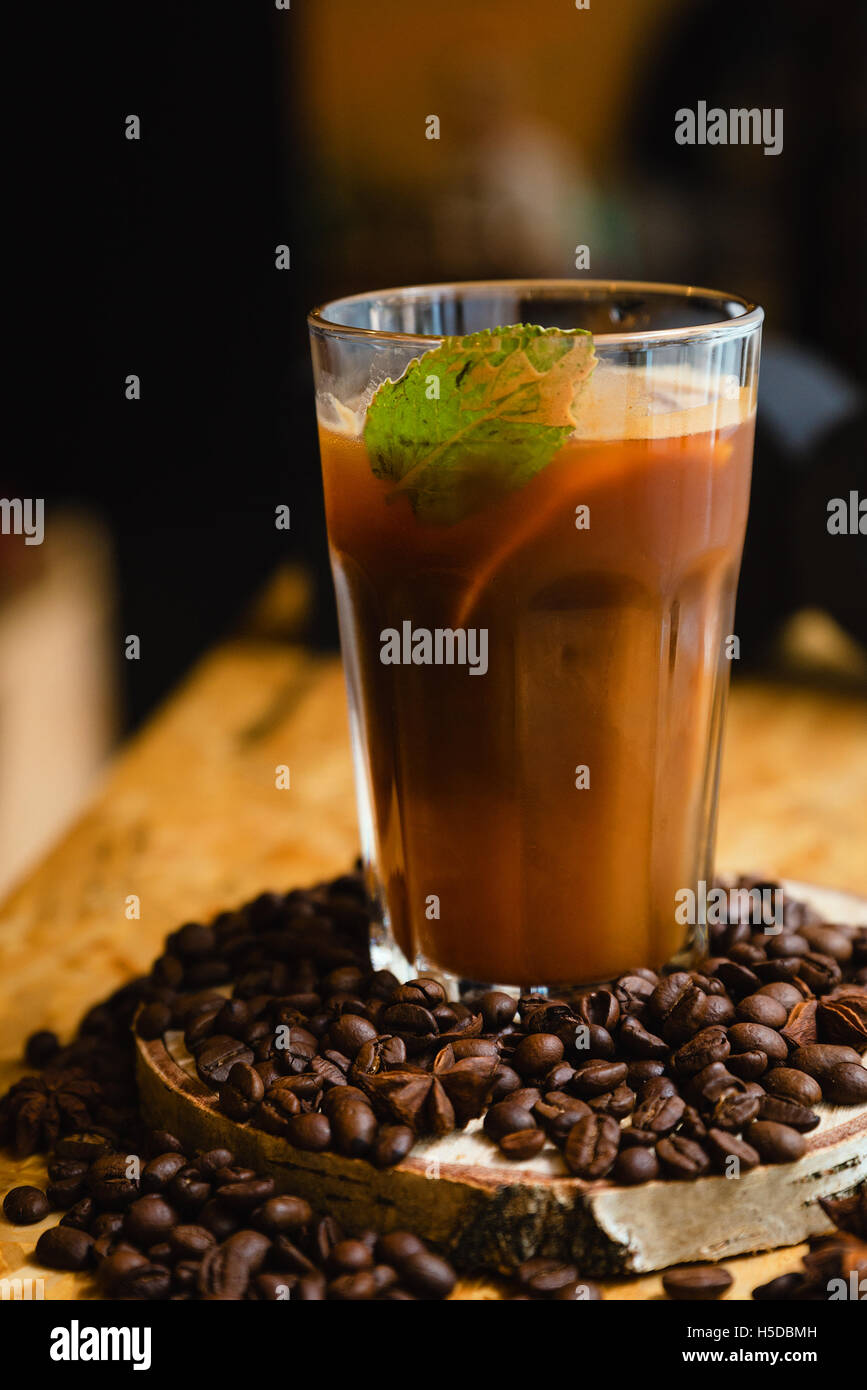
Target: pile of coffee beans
x=200, y=1226
x=836, y=1265
x=662, y=1075
x=665, y=1075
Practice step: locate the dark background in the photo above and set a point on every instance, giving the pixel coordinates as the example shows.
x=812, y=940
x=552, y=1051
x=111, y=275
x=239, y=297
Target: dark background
x=157, y=258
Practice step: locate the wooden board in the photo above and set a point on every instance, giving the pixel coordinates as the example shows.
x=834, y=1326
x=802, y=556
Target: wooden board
x=460, y=1193
x=188, y=817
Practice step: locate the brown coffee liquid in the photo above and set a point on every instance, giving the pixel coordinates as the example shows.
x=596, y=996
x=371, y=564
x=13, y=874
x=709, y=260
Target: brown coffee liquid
x=605, y=651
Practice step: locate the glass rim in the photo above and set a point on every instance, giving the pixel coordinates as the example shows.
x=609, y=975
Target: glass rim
x=737, y=326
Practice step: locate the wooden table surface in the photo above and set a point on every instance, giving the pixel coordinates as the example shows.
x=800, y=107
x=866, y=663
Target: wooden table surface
x=189, y=820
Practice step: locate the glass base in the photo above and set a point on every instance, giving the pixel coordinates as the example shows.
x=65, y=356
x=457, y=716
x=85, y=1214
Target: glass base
x=385, y=954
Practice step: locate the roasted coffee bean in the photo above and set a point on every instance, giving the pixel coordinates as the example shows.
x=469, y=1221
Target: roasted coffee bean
x=505, y=1081
x=233, y=1173
x=559, y=1077
x=670, y=990
x=723, y=1147
x=619, y=1102
x=754, y=1037
x=817, y=1059
x=522, y=1144
x=59, y=1169
x=498, y=1009
x=717, y=1010
x=114, y=1274
x=507, y=1118
x=282, y=1213
x=829, y=941
x=793, y=1085
x=309, y=1132
x=557, y=1113
x=241, y=1092
x=407, y=1019
x=601, y=1007
x=349, y=1034
x=149, y=1220
x=692, y=1126
x=762, y=1008
x=108, y=1223
x=737, y=977
x=462, y=1048
x=200, y=1023
x=350, y=1256
x=595, y=1078
x=109, y=1184
x=783, y=1287
x=353, y=1288
x=682, y=1158
x=426, y=1275
x=639, y=1042
x=714, y=1081
x=188, y=1189
x=392, y=1145
x=775, y=1143
x=158, y=1172
x=188, y=1242
x=657, y=1086
x=788, y=995
x=154, y=1020
x=545, y=1278
x=536, y=1054
x=80, y=1214
x=845, y=1084
x=591, y=1042
x=246, y=1195
x=212, y=1161
x=41, y=1047
x=592, y=1146
x=353, y=1129
x=218, y=1055
x=220, y=1220
x=696, y=1283
x=787, y=944
x=747, y=1066
x=661, y=1113
x=637, y=1073
x=819, y=973
x=635, y=1165
x=734, y=1109
x=276, y=1110
x=708, y=1045
x=788, y=1112
x=526, y=1097
x=689, y=1015
x=24, y=1206
x=398, y=1246
x=631, y=1137
x=251, y=1245
x=64, y=1247
x=65, y=1193
x=223, y=1273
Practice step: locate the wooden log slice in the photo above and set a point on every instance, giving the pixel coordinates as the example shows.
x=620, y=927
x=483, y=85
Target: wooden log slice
x=460, y=1193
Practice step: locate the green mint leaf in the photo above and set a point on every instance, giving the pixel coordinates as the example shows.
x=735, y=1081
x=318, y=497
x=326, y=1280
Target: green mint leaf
x=500, y=408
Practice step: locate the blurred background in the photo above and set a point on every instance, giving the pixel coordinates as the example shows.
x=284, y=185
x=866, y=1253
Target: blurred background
x=306, y=128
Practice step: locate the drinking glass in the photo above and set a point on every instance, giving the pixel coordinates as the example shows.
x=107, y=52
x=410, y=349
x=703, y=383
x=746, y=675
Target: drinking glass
x=537, y=656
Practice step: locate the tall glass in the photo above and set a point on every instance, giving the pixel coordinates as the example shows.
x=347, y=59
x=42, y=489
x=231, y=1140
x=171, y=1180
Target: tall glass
x=537, y=650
